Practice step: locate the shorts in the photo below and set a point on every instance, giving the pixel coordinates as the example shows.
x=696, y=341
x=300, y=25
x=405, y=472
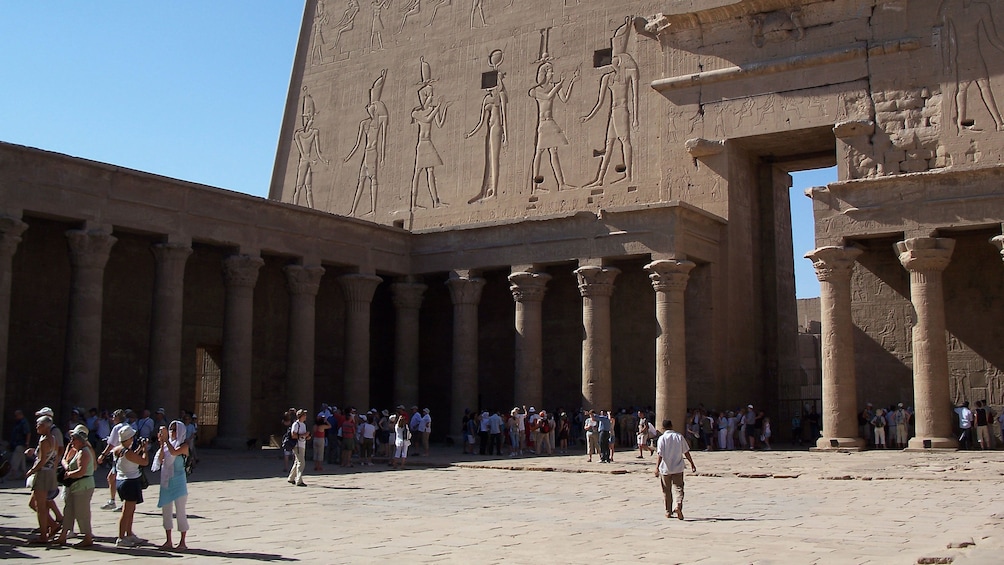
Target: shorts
x=318, y=449
x=45, y=480
x=129, y=490
x=349, y=443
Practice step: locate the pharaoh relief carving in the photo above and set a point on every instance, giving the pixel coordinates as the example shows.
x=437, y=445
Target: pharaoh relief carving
x=308, y=145
x=412, y=8
x=619, y=84
x=963, y=49
x=376, y=26
x=428, y=112
x=317, y=40
x=494, y=119
x=347, y=23
x=549, y=136
x=372, y=137
x=776, y=26
x=435, y=10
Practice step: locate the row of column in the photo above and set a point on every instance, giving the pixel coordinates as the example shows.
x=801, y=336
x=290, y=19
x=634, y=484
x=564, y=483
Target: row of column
x=596, y=285
x=925, y=258
x=89, y=253
x=90, y=250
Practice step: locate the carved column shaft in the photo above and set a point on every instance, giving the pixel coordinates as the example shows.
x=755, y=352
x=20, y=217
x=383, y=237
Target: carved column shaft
x=465, y=292
x=358, y=291
x=303, y=283
x=926, y=258
x=407, y=303
x=669, y=279
x=89, y=252
x=240, y=274
x=164, y=388
x=834, y=267
x=528, y=291
x=10, y=236
x=596, y=285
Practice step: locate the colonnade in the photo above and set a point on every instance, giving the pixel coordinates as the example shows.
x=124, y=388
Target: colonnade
x=926, y=259
x=90, y=250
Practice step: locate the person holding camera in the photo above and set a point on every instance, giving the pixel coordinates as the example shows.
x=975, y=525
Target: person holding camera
x=129, y=459
x=170, y=460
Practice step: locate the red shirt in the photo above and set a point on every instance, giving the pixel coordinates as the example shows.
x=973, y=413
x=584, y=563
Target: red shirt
x=348, y=429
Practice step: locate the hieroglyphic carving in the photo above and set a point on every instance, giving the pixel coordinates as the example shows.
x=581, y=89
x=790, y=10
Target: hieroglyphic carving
x=621, y=82
x=428, y=112
x=549, y=136
x=494, y=116
x=376, y=27
x=959, y=384
x=317, y=40
x=963, y=58
x=372, y=137
x=308, y=145
x=347, y=23
x=779, y=25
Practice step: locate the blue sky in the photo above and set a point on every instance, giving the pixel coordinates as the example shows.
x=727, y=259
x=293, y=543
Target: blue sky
x=182, y=88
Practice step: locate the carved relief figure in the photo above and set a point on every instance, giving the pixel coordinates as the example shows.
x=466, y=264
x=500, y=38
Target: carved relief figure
x=436, y=10
x=412, y=8
x=372, y=137
x=477, y=9
x=493, y=115
x=376, y=28
x=308, y=144
x=778, y=25
x=317, y=42
x=621, y=82
x=347, y=23
x=963, y=20
x=549, y=136
x=429, y=111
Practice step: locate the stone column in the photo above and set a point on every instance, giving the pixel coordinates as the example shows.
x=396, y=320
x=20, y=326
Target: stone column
x=528, y=290
x=669, y=279
x=998, y=242
x=596, y=285
x=10, y=236
x=240, y=274
x=465, y=292
x=407, y=298
x=89, y=252
x=164, y=390
x=358, y=291
x=926, y=258
x=834, y=267
x=303, y=283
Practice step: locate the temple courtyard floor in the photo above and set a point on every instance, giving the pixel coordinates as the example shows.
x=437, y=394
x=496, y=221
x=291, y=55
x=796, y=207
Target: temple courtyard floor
x=782, y=506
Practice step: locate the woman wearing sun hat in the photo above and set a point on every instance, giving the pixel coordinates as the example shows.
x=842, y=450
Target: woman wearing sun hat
x=79, y=463
x=127, y=483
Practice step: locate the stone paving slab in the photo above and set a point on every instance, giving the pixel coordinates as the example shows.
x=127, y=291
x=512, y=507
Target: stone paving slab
x=870, y=507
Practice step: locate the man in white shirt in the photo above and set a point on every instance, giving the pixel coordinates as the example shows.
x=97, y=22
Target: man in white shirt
x=965, y=424
x=298, y=431
x=111, y=442
x=669, y=467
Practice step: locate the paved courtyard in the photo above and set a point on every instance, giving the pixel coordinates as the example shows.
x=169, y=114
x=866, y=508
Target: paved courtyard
x=764, y=507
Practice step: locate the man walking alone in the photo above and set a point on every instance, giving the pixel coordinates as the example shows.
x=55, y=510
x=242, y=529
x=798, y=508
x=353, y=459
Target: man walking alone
x=669, y=467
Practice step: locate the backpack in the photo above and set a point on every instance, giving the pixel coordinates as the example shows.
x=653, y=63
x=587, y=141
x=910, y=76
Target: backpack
x=288, y=443
x=545, y=427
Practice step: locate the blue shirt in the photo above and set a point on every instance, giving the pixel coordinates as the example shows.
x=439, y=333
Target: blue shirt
x=603, y=424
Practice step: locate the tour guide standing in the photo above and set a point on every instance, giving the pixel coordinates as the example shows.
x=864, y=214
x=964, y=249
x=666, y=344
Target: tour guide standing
x=669, y=467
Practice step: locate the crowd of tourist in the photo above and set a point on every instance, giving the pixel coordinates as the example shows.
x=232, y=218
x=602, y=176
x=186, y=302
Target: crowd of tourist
x=61, y=465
